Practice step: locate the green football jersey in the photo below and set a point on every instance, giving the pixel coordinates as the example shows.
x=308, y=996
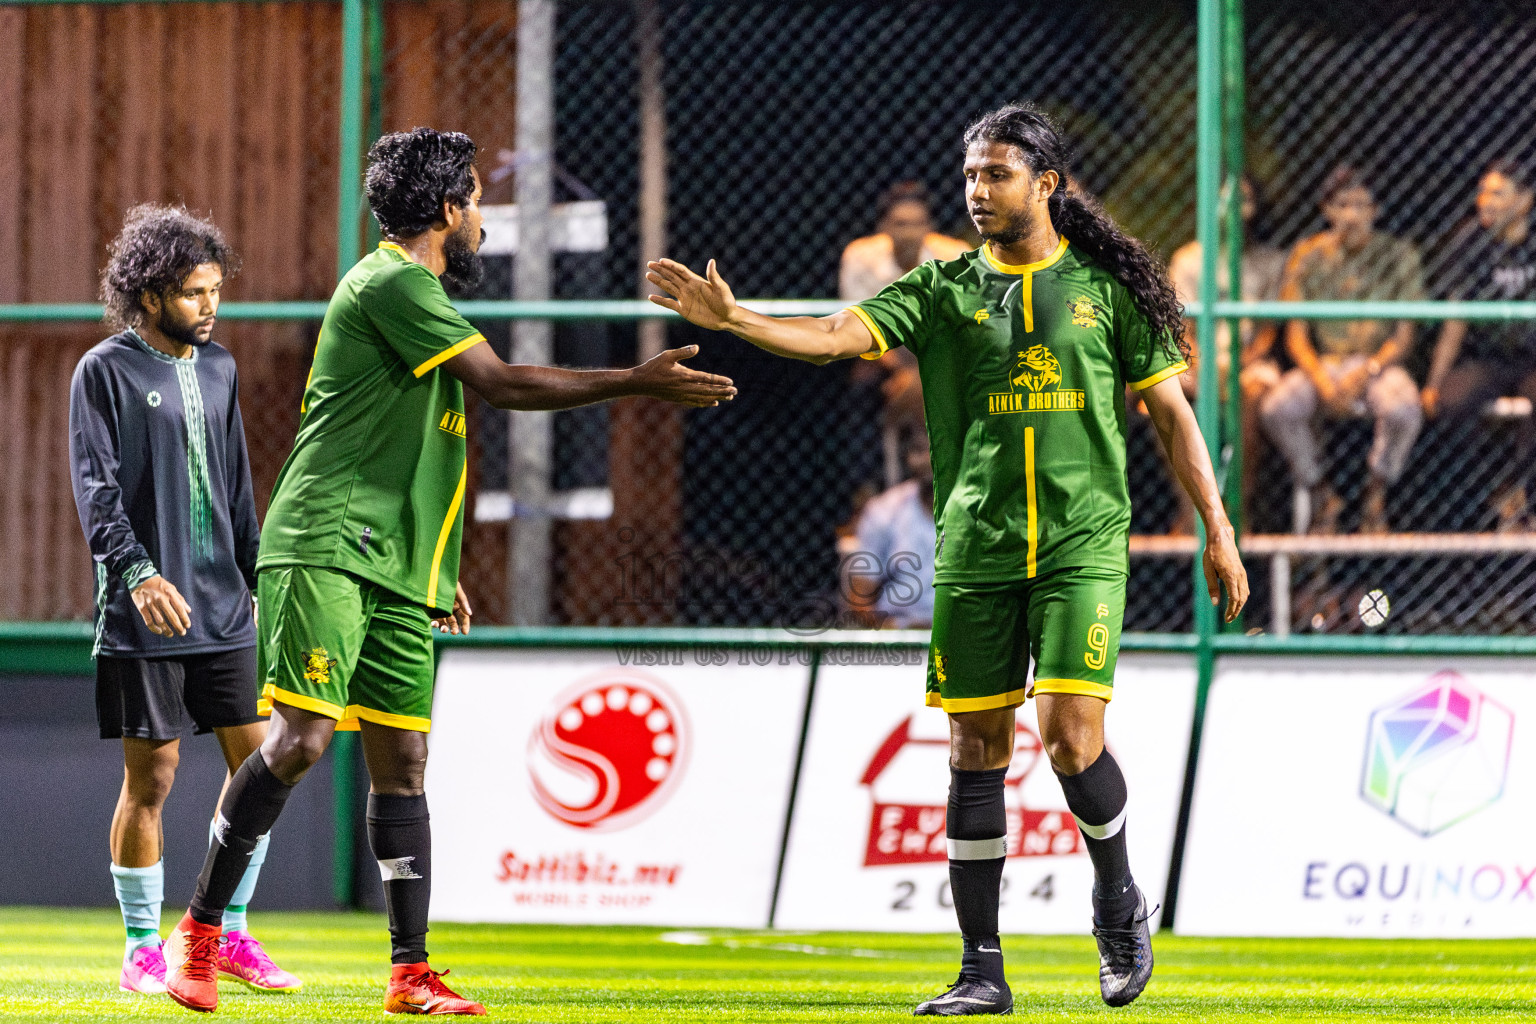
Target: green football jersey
x=1024, y=370
x=375, y=482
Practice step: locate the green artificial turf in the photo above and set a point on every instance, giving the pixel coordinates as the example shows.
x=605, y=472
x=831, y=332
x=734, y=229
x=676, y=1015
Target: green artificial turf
x=61, y=965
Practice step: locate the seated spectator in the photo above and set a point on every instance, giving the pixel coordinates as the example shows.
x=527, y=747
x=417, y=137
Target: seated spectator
x=1261, y=272
x=904, y=239
x=1491, y=258
x=1346, y=367
x=888, y=574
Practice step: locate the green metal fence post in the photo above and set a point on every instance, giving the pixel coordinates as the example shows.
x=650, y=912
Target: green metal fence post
x=348, y=209
x=1233, y=99
x=376, y=86
x=1207, y=197
x=349, y=161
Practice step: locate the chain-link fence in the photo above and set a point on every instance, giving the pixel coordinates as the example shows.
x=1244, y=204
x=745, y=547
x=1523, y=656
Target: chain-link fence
x=785, y=123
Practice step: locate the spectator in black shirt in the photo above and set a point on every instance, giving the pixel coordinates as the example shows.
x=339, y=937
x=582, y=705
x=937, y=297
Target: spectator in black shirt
x=1493, y=258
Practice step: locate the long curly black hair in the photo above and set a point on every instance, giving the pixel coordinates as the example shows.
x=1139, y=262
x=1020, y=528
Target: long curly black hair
x=411, y=174
x=1083, y=220
x=157, y=249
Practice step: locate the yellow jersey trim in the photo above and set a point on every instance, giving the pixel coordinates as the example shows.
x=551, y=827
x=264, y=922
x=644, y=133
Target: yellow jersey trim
x=394, y=721
x=1081, y=687
x=1160, y=376
x=1012, y=698
x=1029, y=494
x=1024, y=268
x=270, y=695
x=448, y=353
x=392, y=247
x=442, y=536
x=874, y=329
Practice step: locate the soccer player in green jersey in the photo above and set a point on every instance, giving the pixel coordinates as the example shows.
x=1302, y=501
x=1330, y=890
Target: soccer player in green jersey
x=1025, y=348
x=360, y=550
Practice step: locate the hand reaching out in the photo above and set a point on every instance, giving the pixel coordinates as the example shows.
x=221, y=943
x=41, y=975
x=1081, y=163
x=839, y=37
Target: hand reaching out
x=665, y=377
x=705, y=301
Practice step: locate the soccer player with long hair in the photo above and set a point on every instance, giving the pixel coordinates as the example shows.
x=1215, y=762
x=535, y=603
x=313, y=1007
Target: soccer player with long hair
x=1025, y=347
x=360, y=549
x=163, y=487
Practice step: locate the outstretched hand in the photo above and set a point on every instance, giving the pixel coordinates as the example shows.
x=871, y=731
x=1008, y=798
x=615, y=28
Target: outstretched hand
x=665, y=377
x=705, y=301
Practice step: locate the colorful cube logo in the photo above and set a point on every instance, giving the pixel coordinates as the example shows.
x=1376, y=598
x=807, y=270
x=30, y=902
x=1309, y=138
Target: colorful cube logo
x=1437, y=755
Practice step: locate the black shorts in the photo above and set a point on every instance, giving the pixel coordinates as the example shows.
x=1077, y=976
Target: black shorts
x=151, y=698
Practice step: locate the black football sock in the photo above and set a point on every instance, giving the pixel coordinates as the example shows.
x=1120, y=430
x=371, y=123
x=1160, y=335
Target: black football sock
x=251, y=804
x=977, y=828
x=400, y=833
x=1096, y=796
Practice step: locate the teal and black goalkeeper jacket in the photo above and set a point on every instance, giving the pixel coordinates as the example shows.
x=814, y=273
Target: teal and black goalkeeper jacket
x=163, y=485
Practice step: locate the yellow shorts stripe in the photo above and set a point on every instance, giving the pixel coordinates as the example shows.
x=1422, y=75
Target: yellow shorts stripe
x=1081, y=687
x=270, y=695
x=346, y=718
x=407, y=722
x=1012, y=698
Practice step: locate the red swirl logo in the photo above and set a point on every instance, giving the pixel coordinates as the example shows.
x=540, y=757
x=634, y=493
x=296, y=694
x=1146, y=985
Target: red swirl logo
x=608, y=751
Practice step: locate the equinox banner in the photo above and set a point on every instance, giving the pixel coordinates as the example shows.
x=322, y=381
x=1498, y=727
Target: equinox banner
x=1350, y=797
x=598, y=788
x=867, y=845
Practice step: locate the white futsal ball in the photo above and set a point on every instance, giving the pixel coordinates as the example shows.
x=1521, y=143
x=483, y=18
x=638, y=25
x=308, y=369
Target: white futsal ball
x=1374, y=608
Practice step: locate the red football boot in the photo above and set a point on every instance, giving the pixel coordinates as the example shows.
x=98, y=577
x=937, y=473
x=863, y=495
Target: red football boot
x=192, y=964
x=417, y=988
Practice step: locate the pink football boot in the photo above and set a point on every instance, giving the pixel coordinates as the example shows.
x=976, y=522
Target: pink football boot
x=144, y=971
x=242, y=958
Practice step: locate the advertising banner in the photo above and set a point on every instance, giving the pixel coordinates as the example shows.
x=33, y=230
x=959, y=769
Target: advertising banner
x=1383, y=797
x=867, y=846
x=643, y=786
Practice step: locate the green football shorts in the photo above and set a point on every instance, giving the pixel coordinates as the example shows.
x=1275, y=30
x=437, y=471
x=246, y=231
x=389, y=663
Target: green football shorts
x=986, y=634
x=340, y=646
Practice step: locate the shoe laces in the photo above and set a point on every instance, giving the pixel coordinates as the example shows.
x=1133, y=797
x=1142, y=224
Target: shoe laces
x=433, y=980
x=202, y=958
x=971, y=979
x=247, y=946
x=1125, y=943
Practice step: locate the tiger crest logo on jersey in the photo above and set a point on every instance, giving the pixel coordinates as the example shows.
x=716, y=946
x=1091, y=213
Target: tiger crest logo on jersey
x=1034, y=385
x=1085, y=312
x=1038, y=369
x=317, y=666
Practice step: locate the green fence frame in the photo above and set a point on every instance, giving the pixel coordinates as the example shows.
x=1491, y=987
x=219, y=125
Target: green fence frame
x=64, y=648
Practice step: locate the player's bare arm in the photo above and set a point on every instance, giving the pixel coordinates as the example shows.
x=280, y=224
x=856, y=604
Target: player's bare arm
x=516, y=386
x=162, y=607
x=708, y=302
x=1180, y=435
